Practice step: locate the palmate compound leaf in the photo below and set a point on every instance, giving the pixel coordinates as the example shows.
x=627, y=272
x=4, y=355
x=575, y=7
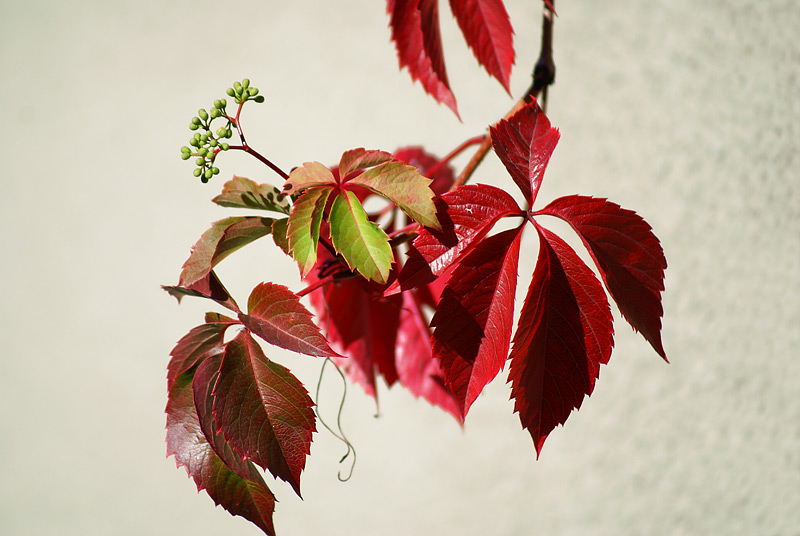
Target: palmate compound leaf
x=241, y=192
x=415, y=32
x=276, y=315
x=263, y=411
x=466, y=215
x=474, y=318
x=201, y=342
x=564, y=333
x=303, y=226
x=628, y=256
x=524, y=143
x=402, y=184
x=240, y=490
x=364, y=245
x=223, y=238
x=488, y=33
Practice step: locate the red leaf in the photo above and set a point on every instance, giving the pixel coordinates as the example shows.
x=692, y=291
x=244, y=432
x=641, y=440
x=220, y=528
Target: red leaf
x=474, y=318
x=415, y=31
x=466, y=215
x=201, y=342
x=263, y=411
x=417, y=369
x=442, y=176
x=360, y=158
x=277, y=316
x=241, y=491
x=524, y=143
x=564, y=333
x=208, y=287
x=628, y=255
x=488, y=32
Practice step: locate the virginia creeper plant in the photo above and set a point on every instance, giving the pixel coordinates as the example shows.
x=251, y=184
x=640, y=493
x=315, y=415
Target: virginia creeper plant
x=419, y=292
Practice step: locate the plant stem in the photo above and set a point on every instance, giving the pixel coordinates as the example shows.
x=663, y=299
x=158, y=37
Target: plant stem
x=314, y=286
x=246, y=148
x=454, y=153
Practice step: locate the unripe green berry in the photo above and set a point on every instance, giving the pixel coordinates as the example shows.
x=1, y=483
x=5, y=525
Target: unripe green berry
x=213, y=143
x=194, y=142
x=208, y=174
x=225, y=146
x=260, y=98
x=230, y=92
x=228, y=133
x=245, y=83
x=217, y=103
x=237, y=87
x=224, y=103
x=192, y=126
x=186, y=156
x=215, y=170
x=195, y=120
x=221, y=132
x=197, y=172
x=253, y=91
x=200, y=162
x=202, y=151
x=203, y=114
x=214, y=113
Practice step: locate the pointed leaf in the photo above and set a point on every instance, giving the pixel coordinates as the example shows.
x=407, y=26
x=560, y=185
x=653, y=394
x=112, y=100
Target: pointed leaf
x=201, y=342
x=403, y=185
x=208, y=287
x=415, y=31
x=429, y=166
x=263, y=411
x=524, y=143
x=223, y=238
x=361, y=242
x=277, y=316
x=241, y=192
x=356, y=159
x=308, y=175
x=628, y=255
x=475, y=315
x=466, y=215
x=488, y=32
x=564, y=333
x=246, y=497
x=303, y=226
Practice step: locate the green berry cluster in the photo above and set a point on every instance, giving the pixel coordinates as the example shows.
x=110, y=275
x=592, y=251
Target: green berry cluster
x=206, y=143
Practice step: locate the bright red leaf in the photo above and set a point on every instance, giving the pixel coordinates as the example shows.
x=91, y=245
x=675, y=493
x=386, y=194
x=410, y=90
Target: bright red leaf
x=488, y=32
x=415, y=31
x=276, y=315
x=202, y=341
x=564, y=333
x=524, y=143
x=263, y=411
x=628, y=255
x=475, y=315
x=242, y=491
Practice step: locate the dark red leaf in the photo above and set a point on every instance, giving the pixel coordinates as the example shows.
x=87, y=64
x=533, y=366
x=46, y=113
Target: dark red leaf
x=263, y=411
x=415, y=31
x=466, y=214
x=201, y=342
x=524, y=143
x=488, y=32
x=417, y=369
x=208, y=287
x=276, y=315
x=474, y=318
x=564, y=333
x=241, y=491
x=628, y=255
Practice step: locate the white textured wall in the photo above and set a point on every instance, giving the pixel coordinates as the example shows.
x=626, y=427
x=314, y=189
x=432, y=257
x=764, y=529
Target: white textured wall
x=684, y=111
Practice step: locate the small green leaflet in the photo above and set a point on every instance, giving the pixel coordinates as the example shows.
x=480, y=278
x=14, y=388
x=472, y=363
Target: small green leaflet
x=241, y=192
x=361, y=242
x=303, y=227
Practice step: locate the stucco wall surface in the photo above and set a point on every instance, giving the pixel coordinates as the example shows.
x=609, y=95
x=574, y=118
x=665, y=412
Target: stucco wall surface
x=685, y=111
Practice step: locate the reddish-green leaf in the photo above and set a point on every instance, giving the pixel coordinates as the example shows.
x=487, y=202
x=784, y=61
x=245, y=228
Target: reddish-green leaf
x=208, y=287
x=360, y=158
x=279, y=230
x=402, y=184
x=247, y=496
x=628, y=255
x=488, y=32
x=303, y=226
x=361, y=242
x=466, y=215
x=263, y=411
x=308, y=175
x=241, y=192
x=201, y=342
x=415, y=31
x=475, y=315
x=276, y=315
x=524, y=143
x=223, y=238
x=428, y=165
x=564, y=333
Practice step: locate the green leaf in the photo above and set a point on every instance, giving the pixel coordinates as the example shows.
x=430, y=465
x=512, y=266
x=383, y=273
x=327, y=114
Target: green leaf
x=303, y=227
x=279, y=229
x=364, y=245
x=310, y=174
x=223, y=238
x=360, y=158
x=403, y=185
x=241, y=192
